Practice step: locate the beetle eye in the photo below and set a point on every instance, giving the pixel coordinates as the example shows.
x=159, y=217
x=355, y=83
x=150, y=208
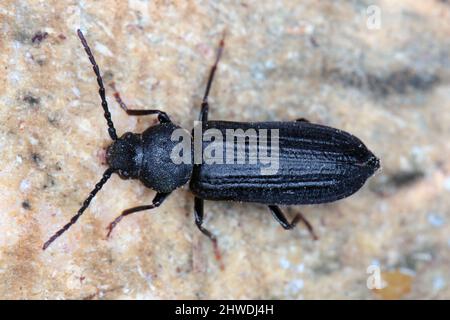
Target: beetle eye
x=124, y=174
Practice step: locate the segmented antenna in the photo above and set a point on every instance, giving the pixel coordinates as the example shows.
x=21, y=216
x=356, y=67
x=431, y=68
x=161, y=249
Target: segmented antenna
x=98, y=186
x=101, y=91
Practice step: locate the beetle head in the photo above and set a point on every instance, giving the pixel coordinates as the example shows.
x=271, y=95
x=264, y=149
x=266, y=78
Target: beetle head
x=124, y=155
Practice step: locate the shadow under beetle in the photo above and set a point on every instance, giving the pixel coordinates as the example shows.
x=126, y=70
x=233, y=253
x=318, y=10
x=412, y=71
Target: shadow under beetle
x=317, y=164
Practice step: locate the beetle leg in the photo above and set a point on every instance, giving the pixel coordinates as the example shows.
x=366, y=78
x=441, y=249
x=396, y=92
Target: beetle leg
x=279, y=216
x=302, y=120
x=203, y=117
x=157, y=201
x=205, y=106
x=198, y=212
x=162, y=116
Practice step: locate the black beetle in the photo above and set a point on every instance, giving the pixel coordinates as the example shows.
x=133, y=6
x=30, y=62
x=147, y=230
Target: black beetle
x=316, y=164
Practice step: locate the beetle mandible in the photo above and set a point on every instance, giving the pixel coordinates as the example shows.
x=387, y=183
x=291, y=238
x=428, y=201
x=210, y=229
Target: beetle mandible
x=317, y=164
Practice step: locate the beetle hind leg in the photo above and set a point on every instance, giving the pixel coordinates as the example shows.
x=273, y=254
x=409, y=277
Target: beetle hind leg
x=281, y=218
x=198, y=213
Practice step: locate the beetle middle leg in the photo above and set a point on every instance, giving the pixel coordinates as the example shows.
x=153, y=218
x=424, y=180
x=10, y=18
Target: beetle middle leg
x=198, y=212
x=280, y=217
x=162, y=116
x=157, y=201
x=205, y=106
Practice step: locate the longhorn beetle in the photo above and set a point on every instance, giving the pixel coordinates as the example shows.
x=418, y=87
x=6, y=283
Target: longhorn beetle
x=317, y=164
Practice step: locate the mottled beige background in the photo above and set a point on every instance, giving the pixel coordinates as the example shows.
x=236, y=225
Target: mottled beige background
x=283, y=60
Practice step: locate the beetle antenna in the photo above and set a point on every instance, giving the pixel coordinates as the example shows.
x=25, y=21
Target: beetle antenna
x=101, y=90
x=98, y=186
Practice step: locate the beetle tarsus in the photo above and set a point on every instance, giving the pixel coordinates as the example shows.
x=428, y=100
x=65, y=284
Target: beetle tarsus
x=117, y=97
x=308, y=225
x=199, y=213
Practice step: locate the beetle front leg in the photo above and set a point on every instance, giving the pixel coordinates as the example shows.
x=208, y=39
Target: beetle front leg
x=280, y=217
x=198, y=213
x=157, y=201
x=162, y=116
